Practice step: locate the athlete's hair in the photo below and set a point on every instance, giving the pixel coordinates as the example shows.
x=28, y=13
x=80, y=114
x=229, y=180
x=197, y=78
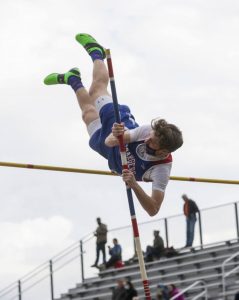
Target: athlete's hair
x=169, y=135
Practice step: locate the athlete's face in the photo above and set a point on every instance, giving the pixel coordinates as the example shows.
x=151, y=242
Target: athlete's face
x=152, y=143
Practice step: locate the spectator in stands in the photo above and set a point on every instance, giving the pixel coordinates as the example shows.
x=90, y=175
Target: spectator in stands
x=101, y=239
x=173, y=291
x=190, y=209
x=162, y=292
x=131, y=291
x=157, y=250
x=119, y=292
x=236, y=296
x=171, y=252
x=115, y=254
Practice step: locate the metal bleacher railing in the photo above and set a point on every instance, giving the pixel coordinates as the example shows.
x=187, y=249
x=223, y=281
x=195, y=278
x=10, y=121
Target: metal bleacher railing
x=75, y=260
x=226, y=274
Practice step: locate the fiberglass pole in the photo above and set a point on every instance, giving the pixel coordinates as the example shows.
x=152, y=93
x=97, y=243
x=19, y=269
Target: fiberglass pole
x=128, y=189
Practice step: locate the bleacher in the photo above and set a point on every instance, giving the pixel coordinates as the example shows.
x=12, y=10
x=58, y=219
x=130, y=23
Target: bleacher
x=183, y=270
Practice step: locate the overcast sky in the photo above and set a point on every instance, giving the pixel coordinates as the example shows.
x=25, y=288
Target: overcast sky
x=175, y=59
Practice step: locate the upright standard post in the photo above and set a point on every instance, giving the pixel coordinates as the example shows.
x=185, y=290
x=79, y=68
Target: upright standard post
x=128, y=189
x=19, y=290
x=82, y=261
x=51, y=280
x=237, y=223
x=166, y=231
x=200, y=229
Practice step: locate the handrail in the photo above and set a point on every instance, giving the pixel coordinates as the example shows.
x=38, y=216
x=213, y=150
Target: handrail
x=42, y=270
x=224, y=274
x=190, y=287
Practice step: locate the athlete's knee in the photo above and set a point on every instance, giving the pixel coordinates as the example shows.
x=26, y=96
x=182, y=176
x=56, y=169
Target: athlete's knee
x=98, y=85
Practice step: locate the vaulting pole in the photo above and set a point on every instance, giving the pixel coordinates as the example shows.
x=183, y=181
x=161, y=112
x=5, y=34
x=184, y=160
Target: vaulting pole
x=128, y=189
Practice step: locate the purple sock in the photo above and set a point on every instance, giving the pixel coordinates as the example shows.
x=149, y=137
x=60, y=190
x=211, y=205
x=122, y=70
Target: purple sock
x=75, y=82
x=96, y=54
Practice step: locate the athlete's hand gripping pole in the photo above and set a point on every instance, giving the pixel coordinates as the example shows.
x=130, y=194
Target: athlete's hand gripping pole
x=128, y=189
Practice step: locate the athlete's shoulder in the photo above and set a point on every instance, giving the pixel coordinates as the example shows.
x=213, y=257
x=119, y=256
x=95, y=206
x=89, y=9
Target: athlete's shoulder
x=139, y=133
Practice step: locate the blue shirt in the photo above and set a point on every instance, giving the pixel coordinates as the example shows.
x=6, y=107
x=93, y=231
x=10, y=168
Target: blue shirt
x=116, y=250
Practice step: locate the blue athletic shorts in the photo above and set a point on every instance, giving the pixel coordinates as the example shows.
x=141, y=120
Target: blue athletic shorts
x=97, y=140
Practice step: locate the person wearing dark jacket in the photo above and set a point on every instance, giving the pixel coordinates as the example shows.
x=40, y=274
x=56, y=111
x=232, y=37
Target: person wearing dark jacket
x=101, y=239
x=157, y=250
x=190, y=209
x=131, y=291
x=119, y=292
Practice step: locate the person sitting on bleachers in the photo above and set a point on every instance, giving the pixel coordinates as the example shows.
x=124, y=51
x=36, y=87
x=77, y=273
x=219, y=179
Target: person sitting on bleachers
x=173, y=291
x=131, y=291
x=162, y=292
x=119, y=292
x=115, y=253
x=157, y=250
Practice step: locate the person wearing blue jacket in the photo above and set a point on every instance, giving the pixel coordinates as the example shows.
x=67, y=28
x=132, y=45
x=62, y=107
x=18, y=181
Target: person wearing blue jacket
x=115, y=253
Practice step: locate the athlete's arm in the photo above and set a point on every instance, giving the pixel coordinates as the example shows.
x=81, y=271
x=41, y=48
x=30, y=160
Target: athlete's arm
x=117, y=130
x=151, y=203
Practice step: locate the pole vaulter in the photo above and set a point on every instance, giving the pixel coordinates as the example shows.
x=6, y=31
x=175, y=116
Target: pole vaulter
x=122, y=149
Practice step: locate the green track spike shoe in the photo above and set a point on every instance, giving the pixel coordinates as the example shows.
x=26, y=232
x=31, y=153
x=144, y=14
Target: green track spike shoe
x=89, y=43
x=56, y=78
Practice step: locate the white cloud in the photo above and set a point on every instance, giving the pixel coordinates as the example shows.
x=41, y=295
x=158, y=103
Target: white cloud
x=26, y=244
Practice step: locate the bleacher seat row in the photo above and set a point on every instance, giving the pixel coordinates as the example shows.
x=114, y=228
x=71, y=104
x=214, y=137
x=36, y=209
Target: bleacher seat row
x=183, y=270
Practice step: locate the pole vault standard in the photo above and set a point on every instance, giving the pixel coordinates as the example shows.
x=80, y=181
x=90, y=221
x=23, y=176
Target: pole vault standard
x=99, y=172
x=128, y=189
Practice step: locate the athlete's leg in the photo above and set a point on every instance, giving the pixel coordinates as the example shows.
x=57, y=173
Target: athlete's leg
x=100, y=76
x=86, y=103
x=98, y=89
x=100, y=80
